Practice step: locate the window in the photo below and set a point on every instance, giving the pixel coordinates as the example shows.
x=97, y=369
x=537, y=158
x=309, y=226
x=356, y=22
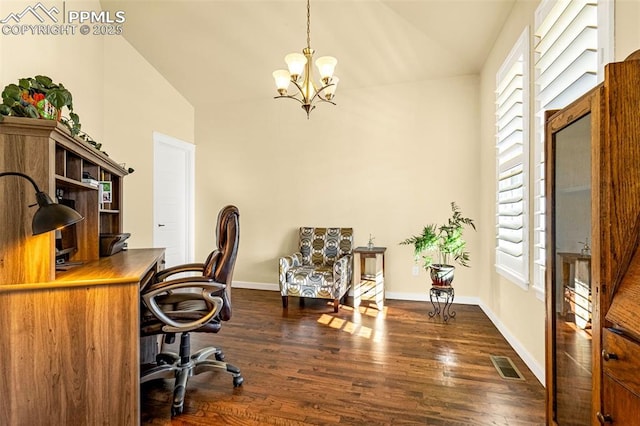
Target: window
x=572, y=43
x=512, y=153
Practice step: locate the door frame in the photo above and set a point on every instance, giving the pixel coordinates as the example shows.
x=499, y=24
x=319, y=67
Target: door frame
x=160, y=139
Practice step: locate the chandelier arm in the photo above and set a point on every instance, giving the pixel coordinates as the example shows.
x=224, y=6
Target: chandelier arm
x=326, y=100
x=318, y=91
x=303, y=100
x=290, y=97
x=299, y=89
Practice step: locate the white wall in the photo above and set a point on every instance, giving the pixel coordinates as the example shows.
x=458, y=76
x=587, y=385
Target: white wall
x=627, y=33
x=140, y=101
x=385, y=161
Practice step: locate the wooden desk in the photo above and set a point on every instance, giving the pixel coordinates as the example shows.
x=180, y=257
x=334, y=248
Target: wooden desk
x=70, y=347
x=368, y=286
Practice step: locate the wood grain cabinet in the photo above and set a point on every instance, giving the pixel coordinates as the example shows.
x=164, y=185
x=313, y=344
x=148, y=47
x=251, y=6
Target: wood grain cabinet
x=70, y=352
x=592, y=187
x=621, y=382
x=44, y=150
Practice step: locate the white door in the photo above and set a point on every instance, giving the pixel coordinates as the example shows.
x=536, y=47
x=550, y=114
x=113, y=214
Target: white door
x=173, y=199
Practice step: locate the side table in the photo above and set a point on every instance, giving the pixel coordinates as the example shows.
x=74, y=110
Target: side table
x=368, y=286
x=446, y=294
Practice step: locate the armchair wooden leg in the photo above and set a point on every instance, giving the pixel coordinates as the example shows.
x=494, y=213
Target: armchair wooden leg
x=301, y=302
x=285, y=302
x=336, y=304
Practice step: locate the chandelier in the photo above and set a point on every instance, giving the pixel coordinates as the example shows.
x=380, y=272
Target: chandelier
x=300, y=73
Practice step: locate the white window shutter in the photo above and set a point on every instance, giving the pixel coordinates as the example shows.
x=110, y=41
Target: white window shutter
x=570, y=41
x=512, y=152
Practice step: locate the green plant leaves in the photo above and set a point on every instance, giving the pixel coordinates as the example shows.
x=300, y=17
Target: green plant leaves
x=17, y=99
x=24, y=83
x=11, y=94
x=59, y=97
x=445, y=240
x=20, y=100
x=45, y=81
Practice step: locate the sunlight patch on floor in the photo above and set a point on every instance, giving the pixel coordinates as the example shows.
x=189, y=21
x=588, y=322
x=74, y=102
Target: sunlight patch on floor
x=367, y=310
x=354, y=328
x=449, y=359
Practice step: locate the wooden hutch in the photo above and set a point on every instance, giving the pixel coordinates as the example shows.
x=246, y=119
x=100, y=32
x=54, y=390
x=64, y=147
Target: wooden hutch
x=71, y=348
x=592, y=184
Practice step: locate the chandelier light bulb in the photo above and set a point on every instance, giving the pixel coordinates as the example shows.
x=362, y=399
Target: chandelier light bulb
x=326, y=65
x=296, y=63
x=283, y=79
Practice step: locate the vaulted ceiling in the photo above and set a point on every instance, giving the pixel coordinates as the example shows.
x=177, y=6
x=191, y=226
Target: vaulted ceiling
x=221, y=51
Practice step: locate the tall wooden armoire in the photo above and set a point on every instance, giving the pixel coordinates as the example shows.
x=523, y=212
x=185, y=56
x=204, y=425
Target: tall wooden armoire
x=592, y=184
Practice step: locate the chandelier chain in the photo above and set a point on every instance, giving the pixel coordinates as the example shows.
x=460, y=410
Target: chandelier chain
x=308, y=25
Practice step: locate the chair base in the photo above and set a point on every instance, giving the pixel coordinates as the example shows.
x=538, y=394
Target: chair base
x=170, y=365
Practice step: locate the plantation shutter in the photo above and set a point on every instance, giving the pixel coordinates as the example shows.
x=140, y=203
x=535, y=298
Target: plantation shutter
x=512, y=163
x=568, y=63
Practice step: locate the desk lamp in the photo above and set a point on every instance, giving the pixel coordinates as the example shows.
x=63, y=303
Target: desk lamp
x=50, y=215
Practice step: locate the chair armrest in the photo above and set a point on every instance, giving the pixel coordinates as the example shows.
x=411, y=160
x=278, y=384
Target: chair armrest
x=188, y=267
x=342, y=269
x=287, y=262
x=208, y=288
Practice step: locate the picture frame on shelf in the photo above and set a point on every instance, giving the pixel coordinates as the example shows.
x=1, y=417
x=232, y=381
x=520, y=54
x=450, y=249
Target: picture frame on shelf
x=105, y=192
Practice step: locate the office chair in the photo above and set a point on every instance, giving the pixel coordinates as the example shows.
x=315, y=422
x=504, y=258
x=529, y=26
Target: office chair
x=200, y=309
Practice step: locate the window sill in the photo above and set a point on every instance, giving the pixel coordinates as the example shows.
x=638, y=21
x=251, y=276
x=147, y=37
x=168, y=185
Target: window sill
x=512, y=276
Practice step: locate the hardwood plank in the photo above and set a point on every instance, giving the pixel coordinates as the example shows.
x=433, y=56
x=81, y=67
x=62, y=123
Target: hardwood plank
x=309, y=366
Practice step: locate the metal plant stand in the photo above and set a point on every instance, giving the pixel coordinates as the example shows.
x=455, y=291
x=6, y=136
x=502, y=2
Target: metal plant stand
x=439, y=294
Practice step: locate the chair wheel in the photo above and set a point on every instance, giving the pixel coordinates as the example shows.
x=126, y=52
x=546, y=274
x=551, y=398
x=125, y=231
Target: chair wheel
x=219, y=356
x=176, y=410
x=237, y=381
x=178, y=400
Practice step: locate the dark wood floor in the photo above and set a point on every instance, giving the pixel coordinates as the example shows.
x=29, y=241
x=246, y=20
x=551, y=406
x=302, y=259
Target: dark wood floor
x=309, y=366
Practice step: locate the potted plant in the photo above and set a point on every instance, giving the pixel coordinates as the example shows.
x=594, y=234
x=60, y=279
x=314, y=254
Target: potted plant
x=39, y=97
x=446, y=242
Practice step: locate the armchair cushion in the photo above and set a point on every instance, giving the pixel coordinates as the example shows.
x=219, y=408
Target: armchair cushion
x=322, y=246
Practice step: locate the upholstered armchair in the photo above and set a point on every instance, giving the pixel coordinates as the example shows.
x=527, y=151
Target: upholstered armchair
x=322, y=267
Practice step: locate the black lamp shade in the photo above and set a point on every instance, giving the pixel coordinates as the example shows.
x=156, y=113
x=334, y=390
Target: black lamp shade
x=51, y=216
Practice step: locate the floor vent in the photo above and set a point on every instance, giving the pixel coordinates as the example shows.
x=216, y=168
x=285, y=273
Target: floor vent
x=506, y=368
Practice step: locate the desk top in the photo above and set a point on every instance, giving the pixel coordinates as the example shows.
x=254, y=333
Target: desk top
x=122, y=268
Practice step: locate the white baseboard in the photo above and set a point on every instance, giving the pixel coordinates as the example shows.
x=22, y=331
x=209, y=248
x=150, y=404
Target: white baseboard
x=424, y=297
x=529, y=360
x=255, y=286
x=417, y=297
